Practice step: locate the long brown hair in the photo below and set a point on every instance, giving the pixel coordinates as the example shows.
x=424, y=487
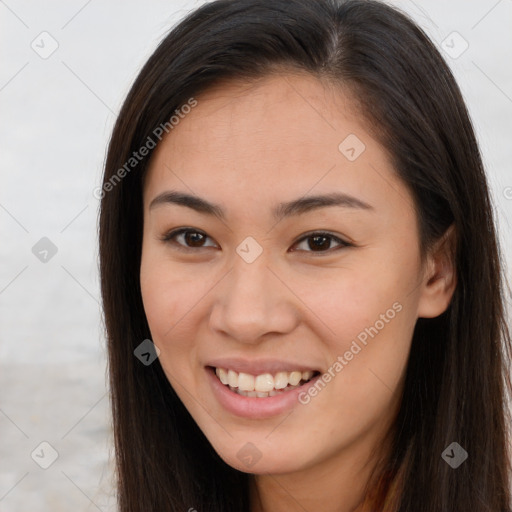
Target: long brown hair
x=456, y=379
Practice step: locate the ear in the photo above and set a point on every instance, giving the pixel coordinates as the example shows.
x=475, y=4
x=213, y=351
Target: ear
x=440, y=277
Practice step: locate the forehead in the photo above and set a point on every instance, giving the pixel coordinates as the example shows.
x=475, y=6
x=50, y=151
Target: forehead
x=279, y=112
x=284, y=134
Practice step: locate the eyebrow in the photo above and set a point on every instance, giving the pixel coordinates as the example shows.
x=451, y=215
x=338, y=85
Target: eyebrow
x=282, y=210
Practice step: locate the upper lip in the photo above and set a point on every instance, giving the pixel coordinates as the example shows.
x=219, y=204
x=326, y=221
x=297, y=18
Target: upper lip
x=259, y=366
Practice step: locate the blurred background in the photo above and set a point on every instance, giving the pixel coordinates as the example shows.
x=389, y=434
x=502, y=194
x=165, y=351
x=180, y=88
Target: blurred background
x=66, y=68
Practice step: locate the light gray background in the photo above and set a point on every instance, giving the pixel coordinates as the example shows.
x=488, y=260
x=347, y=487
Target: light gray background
x=57, y=114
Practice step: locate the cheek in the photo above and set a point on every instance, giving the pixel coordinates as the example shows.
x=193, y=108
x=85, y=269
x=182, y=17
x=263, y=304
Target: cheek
x=369, y=319
x=167, y=296
x=348, y=301
x=163, y=311
x=173, y=301
x=159, y=299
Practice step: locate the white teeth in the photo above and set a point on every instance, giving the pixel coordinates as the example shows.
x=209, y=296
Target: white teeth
x=294, y=378
x=223, y=375
x=245, y=382
x=281, y=380
x=307, y=375
x=263, y=385
x=233, y=378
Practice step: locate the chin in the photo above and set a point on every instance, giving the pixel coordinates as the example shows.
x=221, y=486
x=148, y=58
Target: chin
x=250, y=457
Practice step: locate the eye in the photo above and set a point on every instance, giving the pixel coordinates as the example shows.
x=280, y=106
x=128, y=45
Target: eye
x=190, y=238
x=321, y=242
x=187, y=238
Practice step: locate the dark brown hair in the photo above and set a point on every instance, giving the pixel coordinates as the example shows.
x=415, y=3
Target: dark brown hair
x=456, y=378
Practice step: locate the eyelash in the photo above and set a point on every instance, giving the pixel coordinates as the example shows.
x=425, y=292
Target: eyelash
x=171, y=235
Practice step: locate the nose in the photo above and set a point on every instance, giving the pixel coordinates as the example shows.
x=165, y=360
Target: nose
x=252, y=301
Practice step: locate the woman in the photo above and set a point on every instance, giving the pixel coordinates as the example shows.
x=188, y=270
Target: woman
x=295, y=219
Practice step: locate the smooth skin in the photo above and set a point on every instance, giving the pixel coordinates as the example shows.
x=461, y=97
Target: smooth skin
x=247, y=147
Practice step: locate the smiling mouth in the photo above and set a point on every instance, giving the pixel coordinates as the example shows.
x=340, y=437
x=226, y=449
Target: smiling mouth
x=264, y=385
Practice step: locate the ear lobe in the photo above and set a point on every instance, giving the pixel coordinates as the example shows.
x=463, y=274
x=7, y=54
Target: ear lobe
x=440, y=278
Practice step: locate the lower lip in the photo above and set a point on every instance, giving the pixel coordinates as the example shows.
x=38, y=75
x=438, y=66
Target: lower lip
x=254, y=407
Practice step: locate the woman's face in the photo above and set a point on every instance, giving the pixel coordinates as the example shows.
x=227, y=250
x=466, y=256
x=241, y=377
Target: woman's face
x=307, y=262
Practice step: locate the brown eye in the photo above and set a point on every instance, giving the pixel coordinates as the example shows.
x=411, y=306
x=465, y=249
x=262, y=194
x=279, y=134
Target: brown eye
x=186, y=238
x=321, y=242
x=194, y=239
